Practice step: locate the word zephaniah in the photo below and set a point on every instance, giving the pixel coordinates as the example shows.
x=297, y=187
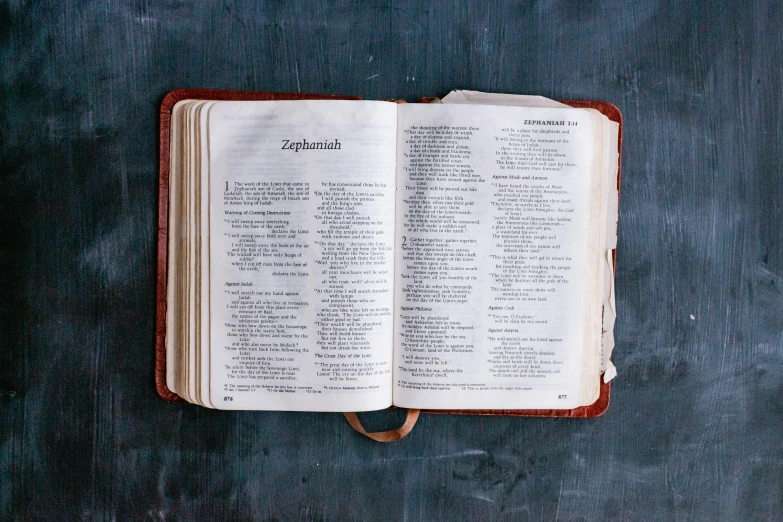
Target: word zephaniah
x=309, y=145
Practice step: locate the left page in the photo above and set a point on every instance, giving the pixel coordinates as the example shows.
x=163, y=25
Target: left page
x=301, y=217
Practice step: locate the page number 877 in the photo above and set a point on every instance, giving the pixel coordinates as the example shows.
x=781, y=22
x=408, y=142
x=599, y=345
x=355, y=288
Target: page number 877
x=562, y=396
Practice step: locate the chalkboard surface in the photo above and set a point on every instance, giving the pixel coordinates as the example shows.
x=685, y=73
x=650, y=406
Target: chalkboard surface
x=695, y=428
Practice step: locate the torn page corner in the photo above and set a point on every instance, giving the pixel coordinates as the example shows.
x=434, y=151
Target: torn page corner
x=610, y=373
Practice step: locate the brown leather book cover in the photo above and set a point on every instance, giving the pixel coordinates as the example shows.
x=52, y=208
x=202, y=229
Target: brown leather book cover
x=609, y=110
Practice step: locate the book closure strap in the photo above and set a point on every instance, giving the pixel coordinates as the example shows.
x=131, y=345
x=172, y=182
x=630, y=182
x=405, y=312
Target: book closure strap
x=384, y=436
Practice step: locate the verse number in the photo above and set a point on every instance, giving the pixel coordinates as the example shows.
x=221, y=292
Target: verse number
x=404, y=241
x=228, y=398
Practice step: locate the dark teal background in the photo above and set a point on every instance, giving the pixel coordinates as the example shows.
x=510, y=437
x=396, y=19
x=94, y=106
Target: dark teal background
x=695, y=428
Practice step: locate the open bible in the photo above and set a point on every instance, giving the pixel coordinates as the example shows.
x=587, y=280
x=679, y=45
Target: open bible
x=350, y=255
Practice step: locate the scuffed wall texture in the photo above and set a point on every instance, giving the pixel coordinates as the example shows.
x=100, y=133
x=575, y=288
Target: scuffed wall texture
x=695, y=428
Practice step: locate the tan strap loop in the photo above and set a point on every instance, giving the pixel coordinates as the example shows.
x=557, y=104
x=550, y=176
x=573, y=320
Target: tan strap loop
x=384, y=436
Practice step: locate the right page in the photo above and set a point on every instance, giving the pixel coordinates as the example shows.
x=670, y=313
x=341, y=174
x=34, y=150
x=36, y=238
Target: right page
x=496, y=303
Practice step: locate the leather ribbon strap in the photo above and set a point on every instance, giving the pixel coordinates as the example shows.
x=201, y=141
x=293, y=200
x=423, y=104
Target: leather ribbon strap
x=384, y=436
